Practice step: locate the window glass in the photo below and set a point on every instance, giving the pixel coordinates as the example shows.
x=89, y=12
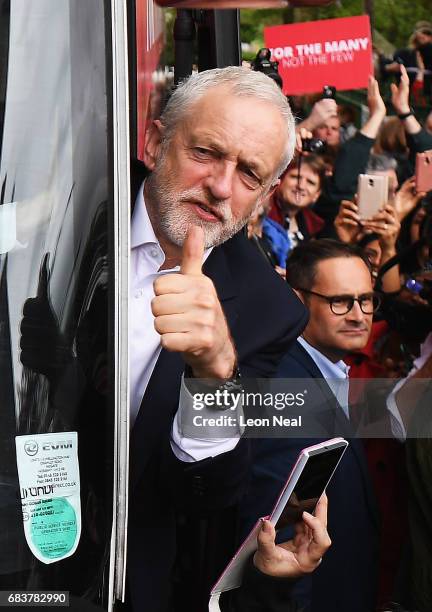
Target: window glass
x=55, y=280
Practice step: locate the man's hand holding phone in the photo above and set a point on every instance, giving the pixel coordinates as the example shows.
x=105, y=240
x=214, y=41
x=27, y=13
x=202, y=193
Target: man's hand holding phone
x=298, y=556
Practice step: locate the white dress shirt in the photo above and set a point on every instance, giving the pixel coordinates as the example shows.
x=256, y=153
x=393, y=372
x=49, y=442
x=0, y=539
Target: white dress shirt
x=336, y=374
x=398, y=426
x=147, y=257
x=337, y=377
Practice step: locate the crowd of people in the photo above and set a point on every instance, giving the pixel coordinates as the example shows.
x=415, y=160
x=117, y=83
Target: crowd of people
x=313, y=220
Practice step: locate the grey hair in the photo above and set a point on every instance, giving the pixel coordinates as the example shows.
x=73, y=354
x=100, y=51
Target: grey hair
x=380, y=163
x=242, y=82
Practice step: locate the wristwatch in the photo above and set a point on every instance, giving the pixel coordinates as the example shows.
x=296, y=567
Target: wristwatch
x=229, y=387
x=403, y=116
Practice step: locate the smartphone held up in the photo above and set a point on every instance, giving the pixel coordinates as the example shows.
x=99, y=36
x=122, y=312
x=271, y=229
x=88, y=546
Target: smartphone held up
x=372, y=194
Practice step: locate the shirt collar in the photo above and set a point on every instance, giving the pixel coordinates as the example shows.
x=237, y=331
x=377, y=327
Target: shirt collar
x=328, y=369
x=141, y=228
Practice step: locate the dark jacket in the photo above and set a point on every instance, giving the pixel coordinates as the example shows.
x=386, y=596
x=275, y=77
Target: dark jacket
x=259, y=593
x=308, y=222
x=351, y=160
x=346, y=579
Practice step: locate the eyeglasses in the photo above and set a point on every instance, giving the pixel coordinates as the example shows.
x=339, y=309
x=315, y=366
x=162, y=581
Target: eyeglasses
x=342, y=304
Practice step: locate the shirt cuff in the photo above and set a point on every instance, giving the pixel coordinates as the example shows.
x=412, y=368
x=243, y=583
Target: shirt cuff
x=195, y=449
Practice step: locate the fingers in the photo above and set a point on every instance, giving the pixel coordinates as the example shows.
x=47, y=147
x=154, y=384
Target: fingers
x=302, y=134
x=321, y=509
x=376, y=228
x=409, y=184
x=189, y=317
x=373, y=88
x=347, y=221
x=193, y=251
x=404, y=76
x=266, y=539
x=169, y=303
x=182, y=342
x=385, y=222
x=348, y=213
x=200, y=290
x=173, y=323
x=320, y=538
x=186, y=322
x=173, y=283
x=383, y=215
x=348, y=205
x=321, y=541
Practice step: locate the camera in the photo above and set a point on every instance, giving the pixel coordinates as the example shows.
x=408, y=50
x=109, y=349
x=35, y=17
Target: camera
x=329, y=92
x=263, y=63
x=313, y=145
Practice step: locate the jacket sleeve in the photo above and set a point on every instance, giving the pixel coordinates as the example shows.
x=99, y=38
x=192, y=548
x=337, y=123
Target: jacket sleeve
x=351, y=161
x=417, y=143
x=259, y=593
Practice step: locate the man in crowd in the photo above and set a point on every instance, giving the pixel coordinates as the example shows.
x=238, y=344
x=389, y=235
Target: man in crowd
x=198, y=288
x=334, y=281
x=291, y=204
x=329, y=131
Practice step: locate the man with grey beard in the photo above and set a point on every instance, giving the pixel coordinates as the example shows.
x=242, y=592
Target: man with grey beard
x=204, y=304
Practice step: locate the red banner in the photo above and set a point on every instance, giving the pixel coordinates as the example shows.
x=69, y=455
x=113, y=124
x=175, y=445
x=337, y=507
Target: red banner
x=316, y=53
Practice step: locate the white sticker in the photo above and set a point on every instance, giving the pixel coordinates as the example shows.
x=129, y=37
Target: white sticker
x=48, y=474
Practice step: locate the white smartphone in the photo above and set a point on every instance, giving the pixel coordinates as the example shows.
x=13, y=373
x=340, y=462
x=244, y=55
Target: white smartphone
x=306, y=483
x=372, y=194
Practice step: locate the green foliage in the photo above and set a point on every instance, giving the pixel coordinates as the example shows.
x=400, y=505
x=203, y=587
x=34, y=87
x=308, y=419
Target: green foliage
x=167, y=58
x=253, y=23
x=394, y=19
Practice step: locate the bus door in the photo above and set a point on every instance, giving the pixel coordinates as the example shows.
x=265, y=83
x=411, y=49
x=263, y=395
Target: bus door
x=64, y=218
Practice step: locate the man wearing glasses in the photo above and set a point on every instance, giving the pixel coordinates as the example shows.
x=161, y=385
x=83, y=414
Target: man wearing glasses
x=334, y=281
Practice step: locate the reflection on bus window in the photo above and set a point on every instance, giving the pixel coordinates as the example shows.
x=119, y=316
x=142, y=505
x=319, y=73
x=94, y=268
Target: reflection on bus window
x=55, y=220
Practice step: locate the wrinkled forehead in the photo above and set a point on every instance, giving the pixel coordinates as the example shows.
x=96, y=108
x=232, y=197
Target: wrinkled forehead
x=237, y=125
x=222, y=102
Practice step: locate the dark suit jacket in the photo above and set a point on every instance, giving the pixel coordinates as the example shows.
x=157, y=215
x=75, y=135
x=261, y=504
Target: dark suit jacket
x=346, y=579
x=259, y=593
x=264, y=317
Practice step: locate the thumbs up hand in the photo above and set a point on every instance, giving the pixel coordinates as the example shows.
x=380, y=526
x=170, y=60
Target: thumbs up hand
x=44, y=348
x=189, y=317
